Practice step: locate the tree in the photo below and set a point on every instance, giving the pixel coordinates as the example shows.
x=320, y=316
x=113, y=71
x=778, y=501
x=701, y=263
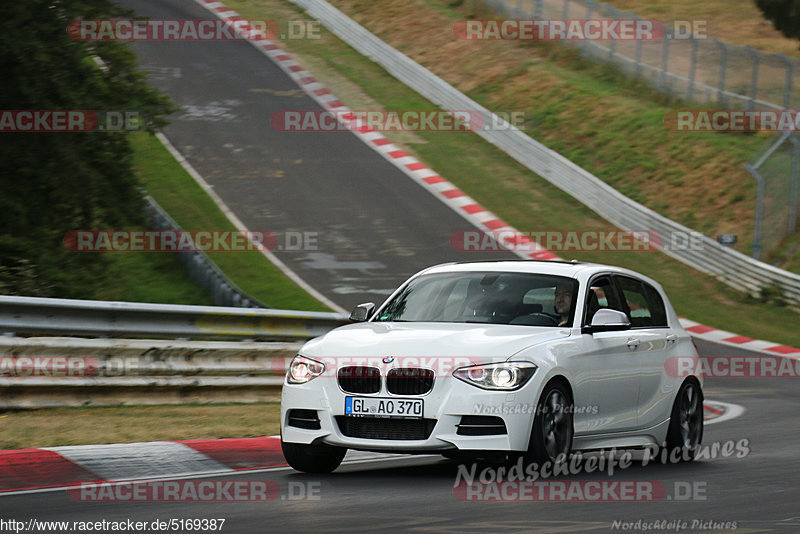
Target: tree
x=784, y=15
x=54, y=182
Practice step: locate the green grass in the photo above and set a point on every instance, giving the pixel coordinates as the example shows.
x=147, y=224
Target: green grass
x=189, y=205
x=527, y=201
x=148, y=277
x=52, y=427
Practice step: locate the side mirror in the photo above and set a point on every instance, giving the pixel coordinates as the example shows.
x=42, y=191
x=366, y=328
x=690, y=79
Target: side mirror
x=362, y=312
x=606, y=320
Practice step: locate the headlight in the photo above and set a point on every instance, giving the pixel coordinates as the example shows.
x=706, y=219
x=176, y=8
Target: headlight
x=504, y=376
x=303, y=369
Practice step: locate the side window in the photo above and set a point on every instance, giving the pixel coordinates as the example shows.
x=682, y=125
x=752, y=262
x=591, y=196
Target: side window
x=656, y=305
x=601, y=294
x=636, y=302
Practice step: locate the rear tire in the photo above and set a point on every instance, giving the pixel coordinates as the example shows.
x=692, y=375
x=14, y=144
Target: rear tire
x=312, y=458
x=551, y=435
x=685, y=432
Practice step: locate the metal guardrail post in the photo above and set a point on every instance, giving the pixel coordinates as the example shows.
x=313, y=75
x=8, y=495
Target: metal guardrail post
x=787, y=91
x=638, y=58
x=538, y=12
x=794, y=189
x=664, y=65
x=723, y=67
x=692, y=69
x=760, y=187
x=759, y=210
x=753, y=78
x=612, y=50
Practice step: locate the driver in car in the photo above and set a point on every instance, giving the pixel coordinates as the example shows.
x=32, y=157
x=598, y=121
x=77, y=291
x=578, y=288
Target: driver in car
x=563, y=302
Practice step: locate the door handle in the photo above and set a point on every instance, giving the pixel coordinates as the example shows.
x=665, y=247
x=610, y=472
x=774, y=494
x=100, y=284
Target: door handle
x=633, y=343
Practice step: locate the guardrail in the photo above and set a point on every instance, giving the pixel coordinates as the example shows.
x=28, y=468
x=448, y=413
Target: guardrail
x=729, y=266
x=78, y=371
x=42, y=372
x=23, y=316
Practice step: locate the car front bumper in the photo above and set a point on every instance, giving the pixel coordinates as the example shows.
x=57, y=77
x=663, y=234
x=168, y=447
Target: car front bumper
x=444, y=406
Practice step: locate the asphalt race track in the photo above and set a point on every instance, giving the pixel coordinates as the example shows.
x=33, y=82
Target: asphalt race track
x=758, y=491
x=375, y=228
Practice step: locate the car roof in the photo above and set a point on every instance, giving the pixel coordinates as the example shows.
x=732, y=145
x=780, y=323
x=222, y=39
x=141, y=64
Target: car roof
x=571, y=269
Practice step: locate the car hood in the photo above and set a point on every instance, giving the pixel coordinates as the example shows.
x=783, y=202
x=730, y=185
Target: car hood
x=430, y=339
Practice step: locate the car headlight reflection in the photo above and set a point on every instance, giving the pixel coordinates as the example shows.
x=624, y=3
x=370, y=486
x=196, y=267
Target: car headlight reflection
x=504, y=376
x=303, y=369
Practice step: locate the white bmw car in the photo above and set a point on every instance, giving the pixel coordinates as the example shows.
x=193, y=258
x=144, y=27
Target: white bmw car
x=532, y=358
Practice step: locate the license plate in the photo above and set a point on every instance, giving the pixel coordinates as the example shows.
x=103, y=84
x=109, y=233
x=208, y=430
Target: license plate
x=383, y=407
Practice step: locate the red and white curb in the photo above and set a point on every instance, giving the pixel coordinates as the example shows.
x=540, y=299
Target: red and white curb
x=730, y=339
x=26, y=469
x=54, y=468
x=719, y=412
x=441, y=188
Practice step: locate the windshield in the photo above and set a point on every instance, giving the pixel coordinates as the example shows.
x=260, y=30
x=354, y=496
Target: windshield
x=485, y=297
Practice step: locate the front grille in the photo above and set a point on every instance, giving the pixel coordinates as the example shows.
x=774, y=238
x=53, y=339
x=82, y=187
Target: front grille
x=409, y=381
x=385, y=428
x=481, y=425
x=307, y=419
x=358, y=379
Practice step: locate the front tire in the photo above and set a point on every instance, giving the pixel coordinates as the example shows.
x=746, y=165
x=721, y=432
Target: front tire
x=685, y=432
x=551, y=435
x=313, y=458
